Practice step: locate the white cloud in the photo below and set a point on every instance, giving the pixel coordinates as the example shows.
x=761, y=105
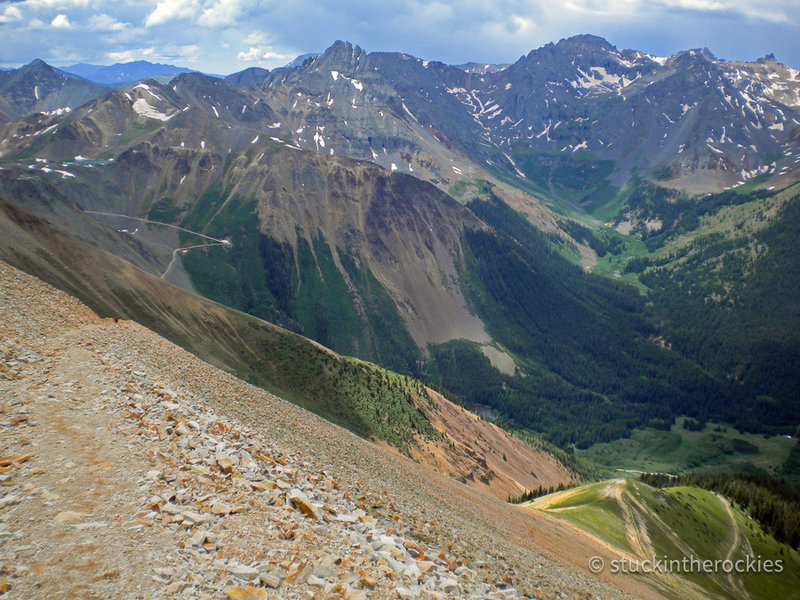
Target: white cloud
x=103, y=22
x=259, y=53
x=256, y=38
x=189, y=52
x=759, y=10
x=11, y=15
x=251, y=55
x=61, y=22
x=59, y=4
x=221, y=14
x=169, y=53
x=169, y=10
x=123, y=56
x=632, y=10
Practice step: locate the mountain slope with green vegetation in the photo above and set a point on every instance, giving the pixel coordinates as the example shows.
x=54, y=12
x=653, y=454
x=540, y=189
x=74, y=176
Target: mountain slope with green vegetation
x=723, y=280
x=730, y=299
x=677, y=525
x=590, y=368
x=367, y=399
x=690, y=446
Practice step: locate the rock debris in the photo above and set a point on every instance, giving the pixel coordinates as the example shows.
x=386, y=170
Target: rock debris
x=128, y=477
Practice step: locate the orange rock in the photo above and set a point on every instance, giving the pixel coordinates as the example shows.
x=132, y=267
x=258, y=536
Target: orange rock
x=225, y=464
x=293, y=576
x=4, y=586
x=7, y=461
x=413, y=549
x=220, y=508
x=219, y=426
x=260, y=486
x=301, y=501
x=366, y=580
x=235, y=592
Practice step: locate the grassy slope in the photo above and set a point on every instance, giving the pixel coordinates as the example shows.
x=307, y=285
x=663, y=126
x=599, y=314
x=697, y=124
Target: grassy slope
x=680, y=450
x=674, y=523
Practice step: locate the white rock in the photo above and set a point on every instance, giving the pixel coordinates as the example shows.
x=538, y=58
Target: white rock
x=194, y=517
x=243, y=572
x=412, y=572
x=406, y=594
x=449, y=586
x=9, y=500
x=271, y=579
x=199, y=537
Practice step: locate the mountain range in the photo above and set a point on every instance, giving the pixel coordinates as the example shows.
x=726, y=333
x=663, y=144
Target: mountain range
x=523, y=276
x=433, y=218
x=120, y=73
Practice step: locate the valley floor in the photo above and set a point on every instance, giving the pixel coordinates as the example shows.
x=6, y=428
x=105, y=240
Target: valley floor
x=132, y=469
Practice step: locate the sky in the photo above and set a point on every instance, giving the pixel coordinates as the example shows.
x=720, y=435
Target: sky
x=225, y=36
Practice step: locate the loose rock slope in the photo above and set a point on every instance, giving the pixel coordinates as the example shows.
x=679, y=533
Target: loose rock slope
x=131, y=469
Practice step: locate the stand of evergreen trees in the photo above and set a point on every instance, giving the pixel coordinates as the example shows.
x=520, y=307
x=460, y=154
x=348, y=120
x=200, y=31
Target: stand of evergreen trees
x=539, y=492
x=773, y=503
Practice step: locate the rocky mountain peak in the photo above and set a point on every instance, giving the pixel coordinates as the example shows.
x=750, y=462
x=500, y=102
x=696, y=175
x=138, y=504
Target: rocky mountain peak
x=37, y=63
x=584, y=43
x=344, y=55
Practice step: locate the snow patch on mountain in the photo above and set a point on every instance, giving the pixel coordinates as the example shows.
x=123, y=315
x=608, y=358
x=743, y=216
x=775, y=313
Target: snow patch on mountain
x=146, y=110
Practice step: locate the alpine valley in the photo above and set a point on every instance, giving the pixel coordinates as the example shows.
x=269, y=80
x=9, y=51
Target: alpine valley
x=525, y=276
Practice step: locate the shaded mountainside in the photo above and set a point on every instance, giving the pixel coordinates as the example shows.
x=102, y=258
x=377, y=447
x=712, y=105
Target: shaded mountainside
x=364, y=398
x=723, y=276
